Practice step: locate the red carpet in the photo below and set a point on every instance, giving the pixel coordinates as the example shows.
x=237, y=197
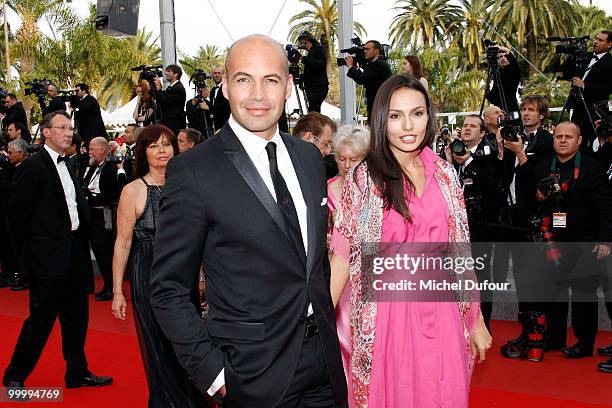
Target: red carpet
x=112, y=349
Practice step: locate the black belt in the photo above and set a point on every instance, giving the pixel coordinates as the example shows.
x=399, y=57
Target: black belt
x=311, y=326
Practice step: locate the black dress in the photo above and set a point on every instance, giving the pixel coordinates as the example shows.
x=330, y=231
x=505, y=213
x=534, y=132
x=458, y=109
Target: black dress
x=169, y=385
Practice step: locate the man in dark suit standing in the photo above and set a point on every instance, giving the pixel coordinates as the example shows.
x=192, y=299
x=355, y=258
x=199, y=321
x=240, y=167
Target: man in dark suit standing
x=171, y=101
x=372, y=74
x=314, y=77
x=596, y=85
x=55, y=101
x=87, y=115
x=221, y=109
x=260, y=227
x=14, y=112
x=53, y=247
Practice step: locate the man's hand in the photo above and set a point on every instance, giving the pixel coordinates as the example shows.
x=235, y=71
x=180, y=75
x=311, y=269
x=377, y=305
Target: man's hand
x=578, y=82
x=602, y=251
x=349, y=61
x=158, y=83
x=222, y=391
x=203, y=106
x=500, y=145
x=540, y=196
x=461, y=159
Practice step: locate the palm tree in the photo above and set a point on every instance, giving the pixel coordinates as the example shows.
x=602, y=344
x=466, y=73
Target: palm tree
x=321, y=20
x=206, y=58
x=530, y=19
x=474, y=29
x=591, y=20
x=424, y=22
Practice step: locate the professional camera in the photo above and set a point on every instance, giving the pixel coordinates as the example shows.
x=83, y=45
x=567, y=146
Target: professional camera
x=356, y=51
x=577, y=56
x=198, y=78
x=115, y=159
x=293, y=52
x=510, y=128
x=67, y=95
x=550, y=187
x=149, y=73
x=471, y=192
x=458, y=147
x=492, y=53
x=37, y=87
x=442, y=139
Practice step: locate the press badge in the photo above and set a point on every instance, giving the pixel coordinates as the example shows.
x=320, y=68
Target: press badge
x=559, y=220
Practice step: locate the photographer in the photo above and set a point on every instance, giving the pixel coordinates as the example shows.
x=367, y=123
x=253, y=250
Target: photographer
x=171, y=101
x=56, y=102
x=510, y=77
x=220, y=105
x=478, y=170
x=372, y=74
x=144, y=112
x=18, y=130
x=87, y=115
x=314, y=76
x=102, y=187
x=517, y=146
x=491, y=116
x=578, y=209
x=14, y=112
x=595, y=82
x=199, y=113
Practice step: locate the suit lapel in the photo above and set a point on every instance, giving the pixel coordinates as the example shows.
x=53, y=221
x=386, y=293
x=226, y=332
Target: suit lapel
x=311, y=209
x=239, y=158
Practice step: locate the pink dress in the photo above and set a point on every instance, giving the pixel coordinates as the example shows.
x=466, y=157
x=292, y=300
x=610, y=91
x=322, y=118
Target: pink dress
x=343, y=307
x=419, y=357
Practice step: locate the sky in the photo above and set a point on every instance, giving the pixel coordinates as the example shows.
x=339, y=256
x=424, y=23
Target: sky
x=197, y=22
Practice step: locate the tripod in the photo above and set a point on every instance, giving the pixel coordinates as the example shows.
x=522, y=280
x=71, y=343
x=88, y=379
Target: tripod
x=203, y=120
x=493, y=74
x=576, y=94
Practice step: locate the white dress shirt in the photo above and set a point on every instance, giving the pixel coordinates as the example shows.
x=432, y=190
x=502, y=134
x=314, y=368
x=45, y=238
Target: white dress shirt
x=68, y=187
x=255, y=147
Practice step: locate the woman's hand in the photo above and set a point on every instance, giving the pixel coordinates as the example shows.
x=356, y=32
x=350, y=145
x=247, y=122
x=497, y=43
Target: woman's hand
x=480, y=340
x=119, y=306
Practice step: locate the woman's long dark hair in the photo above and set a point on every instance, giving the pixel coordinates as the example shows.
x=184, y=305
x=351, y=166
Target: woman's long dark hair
x=148, y=135
x=384, y=169
x=417, y=67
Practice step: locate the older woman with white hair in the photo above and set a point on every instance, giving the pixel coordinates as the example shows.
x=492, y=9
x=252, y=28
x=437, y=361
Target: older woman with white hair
x=351, y=144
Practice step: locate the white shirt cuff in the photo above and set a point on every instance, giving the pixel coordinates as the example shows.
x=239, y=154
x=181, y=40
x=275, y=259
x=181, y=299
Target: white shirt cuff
x=217, y=384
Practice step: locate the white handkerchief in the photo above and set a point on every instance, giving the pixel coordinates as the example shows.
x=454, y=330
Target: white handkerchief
x=323, y=201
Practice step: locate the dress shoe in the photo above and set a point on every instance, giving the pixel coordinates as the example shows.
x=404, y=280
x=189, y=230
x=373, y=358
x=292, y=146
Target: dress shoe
x=578, y=350
x=19, y=284
x=605, y=366
x=12, y=384
x=103, y=296
x=90, y=381
x=605, y=351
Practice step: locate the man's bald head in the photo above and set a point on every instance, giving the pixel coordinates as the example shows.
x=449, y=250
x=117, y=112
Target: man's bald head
x=253, y=42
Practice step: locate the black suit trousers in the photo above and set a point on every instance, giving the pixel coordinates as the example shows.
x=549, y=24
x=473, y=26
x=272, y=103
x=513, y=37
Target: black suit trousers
x=66, y=299
x=102, y=245
x=316, y=96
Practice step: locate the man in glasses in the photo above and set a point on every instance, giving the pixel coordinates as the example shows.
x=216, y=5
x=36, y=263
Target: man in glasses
x=319, y=130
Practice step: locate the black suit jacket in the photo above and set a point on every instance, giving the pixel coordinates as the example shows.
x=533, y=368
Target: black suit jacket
x=315, y=68
x=15, y=114
x=41, y=222
x=257, y=286
x=55, y=104
x=220, y=107
x=171, y=103
x=110, y=185
x=88, y=118
x=372, y=77
x=510, y=77
x=588, y=202
x=539, y=149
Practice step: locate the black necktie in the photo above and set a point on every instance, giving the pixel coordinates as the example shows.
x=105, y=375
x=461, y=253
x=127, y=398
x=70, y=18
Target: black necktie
x=284, y=201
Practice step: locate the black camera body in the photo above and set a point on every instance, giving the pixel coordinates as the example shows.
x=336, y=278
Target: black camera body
x=293, y=52
x=356, y=51
x=198, y=78
x=577, y=56
x=550, y=187
x=37, y=87
x=510, y=128
x=492, y=54
x=458, y=147
x=148, y=73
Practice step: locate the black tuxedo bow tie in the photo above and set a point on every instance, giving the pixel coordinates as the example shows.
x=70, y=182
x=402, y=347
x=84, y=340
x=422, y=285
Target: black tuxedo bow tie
x=62, y=159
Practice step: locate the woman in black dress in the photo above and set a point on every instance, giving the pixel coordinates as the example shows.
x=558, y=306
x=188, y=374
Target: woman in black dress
x=169, y=385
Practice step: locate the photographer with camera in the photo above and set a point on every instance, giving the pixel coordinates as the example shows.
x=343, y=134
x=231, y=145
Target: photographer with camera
x=506, y=85
x=371, y=72
x=102, y=185
x=595, y=83
x=491, y=116
x=171, y=101
x=87, y=116
x=144, y=112
x=479, y=173
x=220, y=105
x=198, y=109
x=314, y=76
x=517, y=145
x=14, y=112
x=56, y=101
x=576, y=207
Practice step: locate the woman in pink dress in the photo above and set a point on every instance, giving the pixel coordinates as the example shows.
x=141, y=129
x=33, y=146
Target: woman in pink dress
x=404, y=354
x=350, y=148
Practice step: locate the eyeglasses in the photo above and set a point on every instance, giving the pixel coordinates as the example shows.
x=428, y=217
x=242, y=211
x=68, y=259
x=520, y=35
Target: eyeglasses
x=329, y=145
x=64, y=128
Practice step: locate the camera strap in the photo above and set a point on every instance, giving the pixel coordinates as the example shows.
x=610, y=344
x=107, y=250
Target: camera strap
x=565, y=183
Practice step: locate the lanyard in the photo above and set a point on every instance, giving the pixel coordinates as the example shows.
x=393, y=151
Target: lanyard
x=554, y=171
